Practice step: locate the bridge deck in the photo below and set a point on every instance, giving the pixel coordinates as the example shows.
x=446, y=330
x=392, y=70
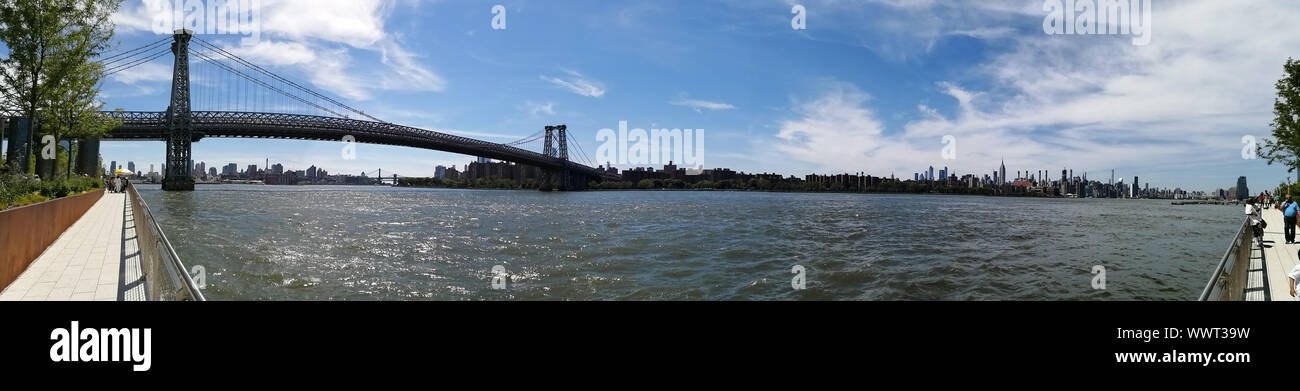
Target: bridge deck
x=96, y=259
x=1268, y=270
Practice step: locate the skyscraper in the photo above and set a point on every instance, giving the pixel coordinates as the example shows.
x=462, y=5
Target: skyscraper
x=112, y=167
x=1002, y=173
x=1242, y=191
x=930, y=175
x=130, y=166
x=1136, y=189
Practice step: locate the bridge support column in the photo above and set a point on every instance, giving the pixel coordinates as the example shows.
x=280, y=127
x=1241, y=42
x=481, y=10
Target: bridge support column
x=88, y=157
x=19, y=134
x=45, y=167
x=562, y=179
x=180, y=127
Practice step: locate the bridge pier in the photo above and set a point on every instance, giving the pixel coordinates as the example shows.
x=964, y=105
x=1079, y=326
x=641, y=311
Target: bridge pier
x=45, y=167
x=88, y=157
x=19, y=134
x=562, y=180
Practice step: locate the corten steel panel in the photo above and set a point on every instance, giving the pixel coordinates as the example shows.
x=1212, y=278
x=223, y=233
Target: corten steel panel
x=26, y=231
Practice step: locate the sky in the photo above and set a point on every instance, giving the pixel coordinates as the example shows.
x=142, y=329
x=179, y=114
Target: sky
x=869, y=86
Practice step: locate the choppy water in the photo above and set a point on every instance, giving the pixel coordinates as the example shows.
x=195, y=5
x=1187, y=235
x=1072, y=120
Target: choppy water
x=379, y=243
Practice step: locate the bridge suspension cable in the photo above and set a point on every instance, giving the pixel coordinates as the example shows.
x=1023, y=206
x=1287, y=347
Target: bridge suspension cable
x=530, y=138
x=200, y=54
x=136, y=62
x=582, y=154
x=239, y=60
x=106, y=61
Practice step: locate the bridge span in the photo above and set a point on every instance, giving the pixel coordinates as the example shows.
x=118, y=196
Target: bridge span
x=180, y=125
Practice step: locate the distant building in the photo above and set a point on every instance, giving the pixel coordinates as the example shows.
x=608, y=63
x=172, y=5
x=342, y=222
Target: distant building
x=440, y=172
x=130, y=166
x=1002, y=173
x=1242, y=191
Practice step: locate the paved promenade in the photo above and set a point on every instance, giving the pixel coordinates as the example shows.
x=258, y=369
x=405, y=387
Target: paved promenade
x=1268, y=271
x=96, y=259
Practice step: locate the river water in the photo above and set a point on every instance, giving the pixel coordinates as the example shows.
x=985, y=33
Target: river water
x=380, y=243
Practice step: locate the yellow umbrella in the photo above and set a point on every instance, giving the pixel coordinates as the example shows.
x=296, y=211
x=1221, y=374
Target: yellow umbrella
x=121, y=171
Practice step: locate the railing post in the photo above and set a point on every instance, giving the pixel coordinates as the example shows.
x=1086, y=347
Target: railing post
x=1235, y=289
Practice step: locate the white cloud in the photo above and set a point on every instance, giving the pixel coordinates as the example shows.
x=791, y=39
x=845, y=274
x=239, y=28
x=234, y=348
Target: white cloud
x=279, y=53
x=309, y=35
x=407, y=74
x=577, y=84
x=699, y=105
x=1203, y=82
x=1185, y=100
x=533, y=108
x=837, y=132
x=150, y=71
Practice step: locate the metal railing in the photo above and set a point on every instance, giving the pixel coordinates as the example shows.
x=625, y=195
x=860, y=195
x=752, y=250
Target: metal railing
x=166, y=277
x=1228, y=283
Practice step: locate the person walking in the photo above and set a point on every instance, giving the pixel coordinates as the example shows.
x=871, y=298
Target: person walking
x=1289, y=209
x=1252, y=212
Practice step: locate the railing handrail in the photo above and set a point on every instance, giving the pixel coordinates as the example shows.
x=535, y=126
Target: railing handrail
x=1223, y=262
x=166, y=244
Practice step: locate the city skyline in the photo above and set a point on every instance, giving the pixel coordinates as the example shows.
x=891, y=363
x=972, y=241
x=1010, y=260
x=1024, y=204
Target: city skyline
x=932, y=173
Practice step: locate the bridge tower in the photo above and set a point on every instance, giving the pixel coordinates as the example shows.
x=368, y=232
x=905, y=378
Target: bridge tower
x=180, y=126
x=548, y=148
x=564, y=143
x=565, y=176
x=562, y=178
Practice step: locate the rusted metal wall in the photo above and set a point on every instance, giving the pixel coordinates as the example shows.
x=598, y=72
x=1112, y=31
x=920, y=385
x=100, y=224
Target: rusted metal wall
x=26, y=231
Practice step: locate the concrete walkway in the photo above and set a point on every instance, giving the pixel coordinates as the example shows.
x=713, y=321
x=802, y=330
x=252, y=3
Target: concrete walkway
x=1268, y=271
x=95, y=259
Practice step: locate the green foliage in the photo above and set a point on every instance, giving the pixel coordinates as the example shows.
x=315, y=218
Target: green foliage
x=19, y=190
x=1284, y=147
x=49, y=73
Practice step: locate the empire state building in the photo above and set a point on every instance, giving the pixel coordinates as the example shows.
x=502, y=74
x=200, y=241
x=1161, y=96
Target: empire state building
x=1002, y=173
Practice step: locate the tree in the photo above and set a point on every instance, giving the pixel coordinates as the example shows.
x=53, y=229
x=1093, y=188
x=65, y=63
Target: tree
x=1284, y=147
x=51, y=46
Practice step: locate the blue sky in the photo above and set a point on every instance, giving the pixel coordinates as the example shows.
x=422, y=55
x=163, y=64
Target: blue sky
x=869, y=86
